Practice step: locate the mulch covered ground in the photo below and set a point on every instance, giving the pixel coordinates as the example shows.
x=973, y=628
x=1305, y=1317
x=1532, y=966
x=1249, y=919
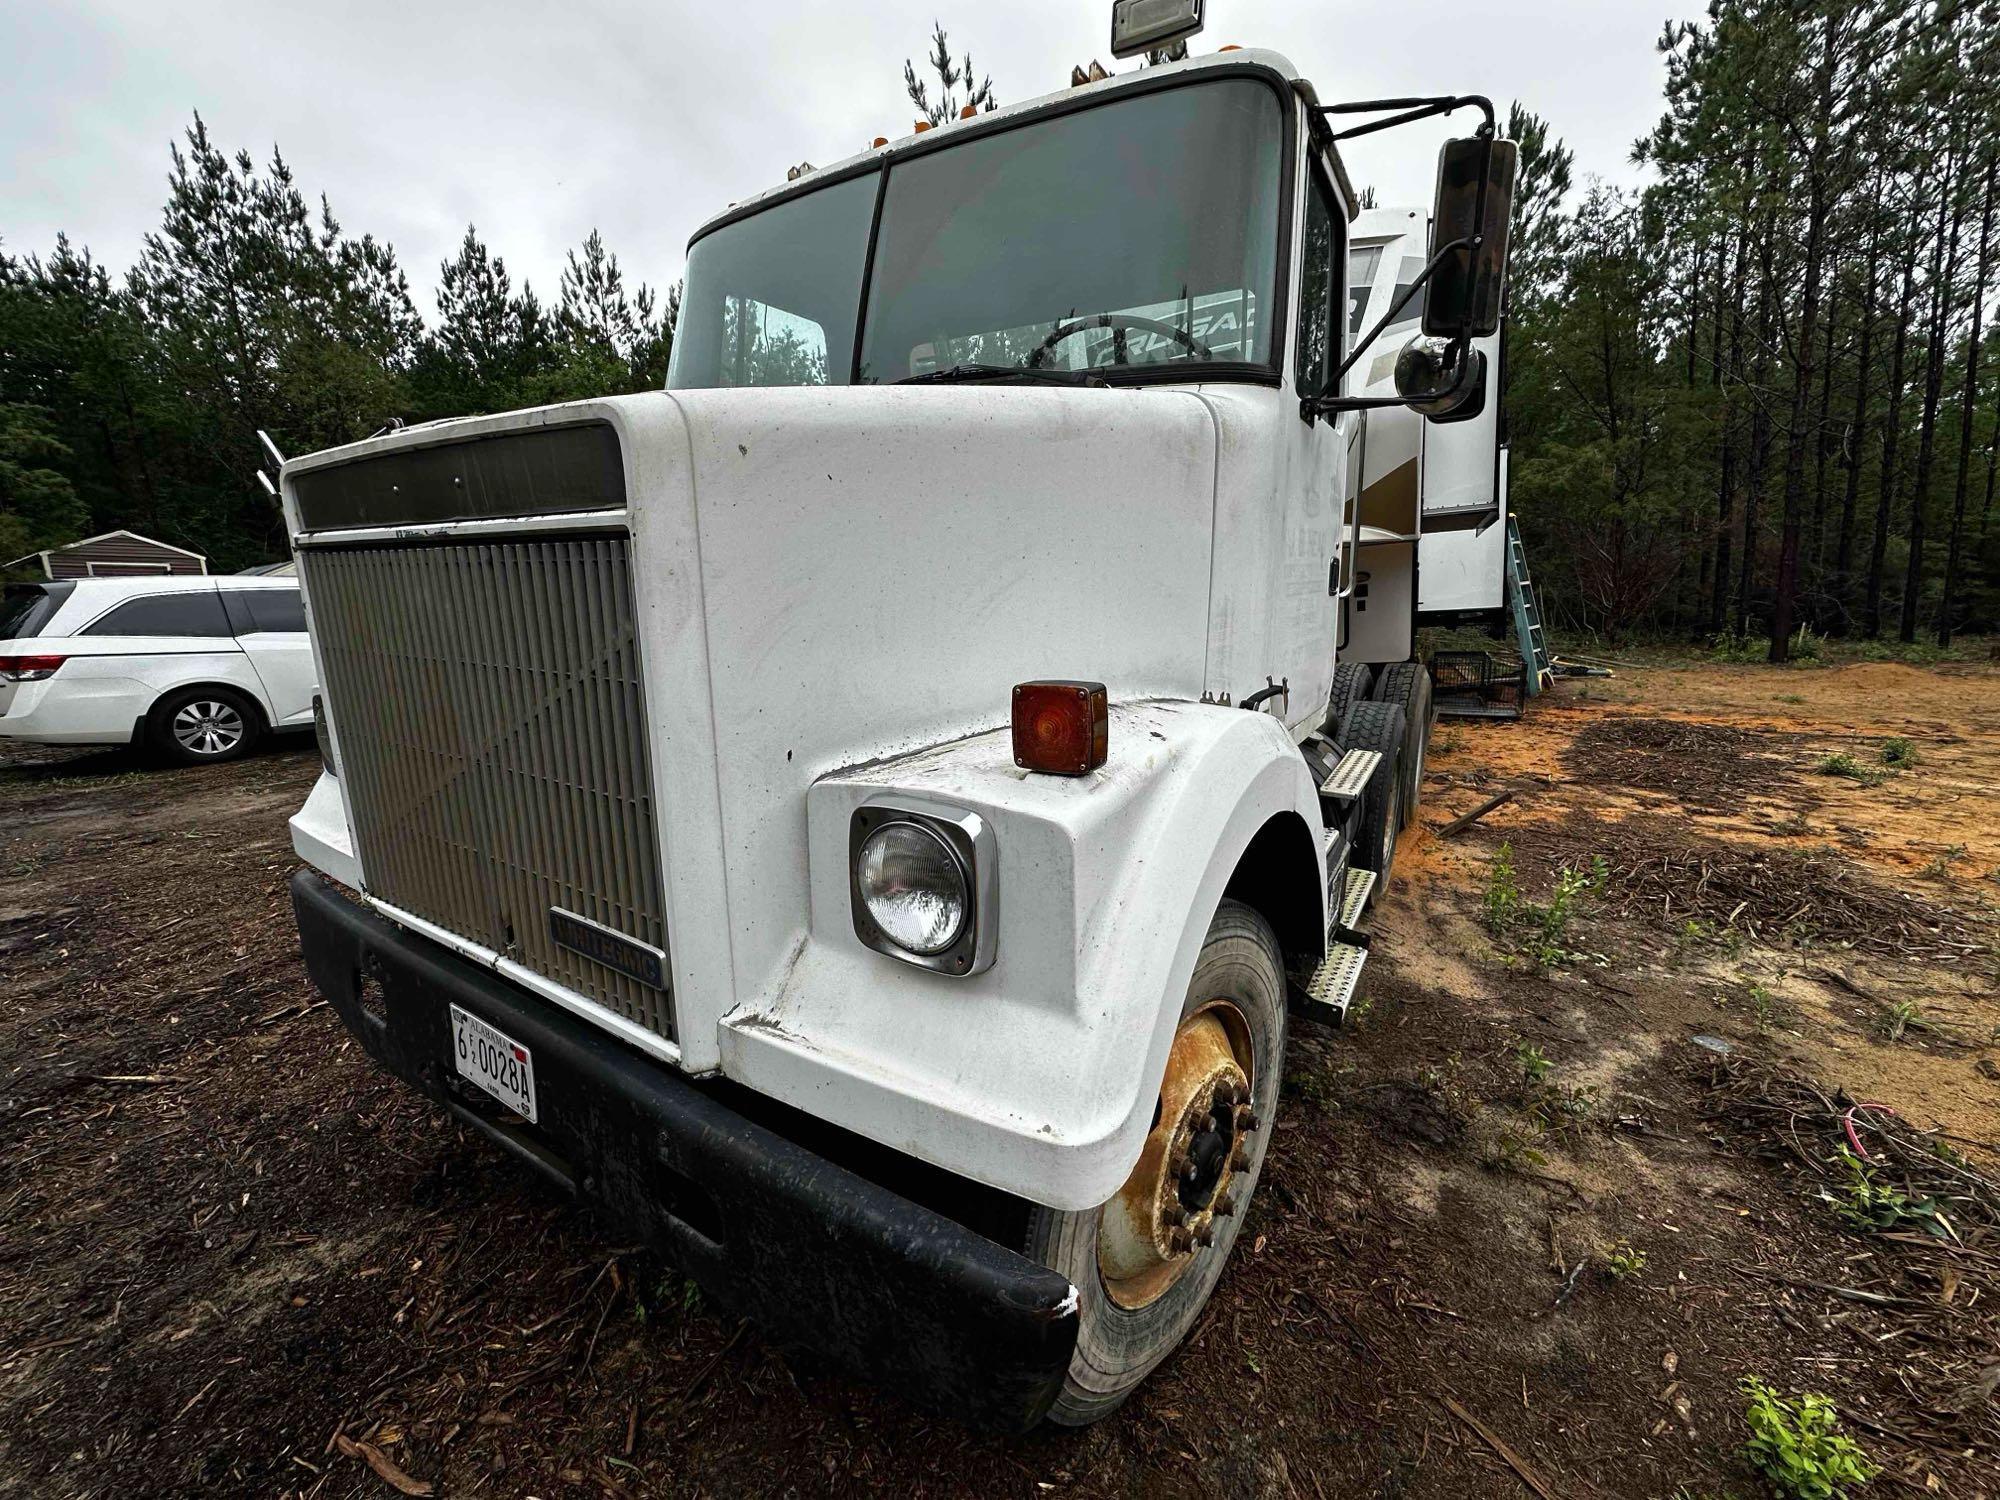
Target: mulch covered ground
x=234, y=1259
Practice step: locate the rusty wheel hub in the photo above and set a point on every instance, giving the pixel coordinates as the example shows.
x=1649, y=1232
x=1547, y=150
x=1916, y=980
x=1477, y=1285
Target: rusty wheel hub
x=1186, y=1178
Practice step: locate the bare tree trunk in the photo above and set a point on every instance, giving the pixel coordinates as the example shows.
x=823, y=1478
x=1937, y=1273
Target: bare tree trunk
x=1818, y=204
x=1966, y=411
x=1944, y=271
x=1892, y=433
x=1760, y=427
x=1843, y=565
x=1725, y=490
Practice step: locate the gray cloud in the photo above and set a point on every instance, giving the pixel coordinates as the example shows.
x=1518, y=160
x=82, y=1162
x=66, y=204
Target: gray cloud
x=538, y=122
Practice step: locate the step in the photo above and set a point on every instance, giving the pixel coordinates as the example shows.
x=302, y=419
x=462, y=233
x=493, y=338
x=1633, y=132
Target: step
x=1331, y=989
x=1354, y=901
x=1350, y=778
x=1459, y=708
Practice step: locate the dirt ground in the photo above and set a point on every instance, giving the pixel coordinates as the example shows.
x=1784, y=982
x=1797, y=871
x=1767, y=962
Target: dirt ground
x=1520, y=1228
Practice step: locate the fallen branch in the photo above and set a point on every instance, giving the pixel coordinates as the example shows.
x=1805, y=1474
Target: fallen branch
x=384, y=1466
x=1513, y=1460
x=1466, y=820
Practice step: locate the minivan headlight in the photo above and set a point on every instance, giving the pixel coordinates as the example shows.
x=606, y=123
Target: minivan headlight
x=922, y=880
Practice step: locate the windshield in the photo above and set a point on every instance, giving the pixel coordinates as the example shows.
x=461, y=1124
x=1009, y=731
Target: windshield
x=1138, y=234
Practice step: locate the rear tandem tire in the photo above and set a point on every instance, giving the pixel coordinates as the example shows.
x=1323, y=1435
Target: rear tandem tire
x=1240, y=974
x=1378, y=726
x=1351, y=680
x=1409, y=683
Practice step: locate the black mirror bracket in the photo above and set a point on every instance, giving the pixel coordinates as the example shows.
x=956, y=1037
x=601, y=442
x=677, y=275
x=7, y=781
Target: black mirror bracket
x=1407, y=111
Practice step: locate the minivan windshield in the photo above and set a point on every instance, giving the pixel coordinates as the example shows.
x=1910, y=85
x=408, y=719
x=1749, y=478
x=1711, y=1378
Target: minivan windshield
x=1133, y=236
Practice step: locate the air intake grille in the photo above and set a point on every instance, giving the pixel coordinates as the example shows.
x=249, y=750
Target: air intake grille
x=487, y=704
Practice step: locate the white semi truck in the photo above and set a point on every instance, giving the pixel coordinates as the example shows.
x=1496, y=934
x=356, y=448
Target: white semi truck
x=861, y=815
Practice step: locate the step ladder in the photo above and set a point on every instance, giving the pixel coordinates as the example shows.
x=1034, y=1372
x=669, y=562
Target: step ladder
x=1331, y=987
x=1528, y=633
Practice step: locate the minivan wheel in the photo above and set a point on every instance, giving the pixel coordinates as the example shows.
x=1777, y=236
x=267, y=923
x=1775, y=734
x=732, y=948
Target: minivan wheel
x=1145, y=1262
x=200, y=726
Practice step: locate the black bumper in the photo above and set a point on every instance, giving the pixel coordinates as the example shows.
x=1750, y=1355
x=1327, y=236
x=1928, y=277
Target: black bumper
x=818, y=1257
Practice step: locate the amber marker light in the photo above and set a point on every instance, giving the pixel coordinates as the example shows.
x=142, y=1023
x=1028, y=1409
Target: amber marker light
x=1063, y=728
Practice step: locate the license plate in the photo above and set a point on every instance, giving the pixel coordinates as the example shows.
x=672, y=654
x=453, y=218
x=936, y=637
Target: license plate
x=495, y=1061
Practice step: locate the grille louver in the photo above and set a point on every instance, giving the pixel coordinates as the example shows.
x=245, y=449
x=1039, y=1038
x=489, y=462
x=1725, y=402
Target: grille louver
x=487, y=702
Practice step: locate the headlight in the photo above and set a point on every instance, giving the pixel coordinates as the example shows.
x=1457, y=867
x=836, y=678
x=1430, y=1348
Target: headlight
x=912, y=885
x=923, y=881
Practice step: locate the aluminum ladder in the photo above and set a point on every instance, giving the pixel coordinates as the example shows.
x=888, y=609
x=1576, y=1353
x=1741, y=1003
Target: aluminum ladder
x=1536, y=668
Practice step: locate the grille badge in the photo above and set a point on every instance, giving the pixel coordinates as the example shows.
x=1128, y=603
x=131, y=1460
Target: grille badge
x=601, y=944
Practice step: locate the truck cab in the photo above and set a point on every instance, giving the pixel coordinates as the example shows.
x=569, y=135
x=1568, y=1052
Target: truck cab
x=864, y=815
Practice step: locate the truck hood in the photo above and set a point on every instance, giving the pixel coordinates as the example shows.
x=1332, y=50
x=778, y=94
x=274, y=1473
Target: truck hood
x=875, y=567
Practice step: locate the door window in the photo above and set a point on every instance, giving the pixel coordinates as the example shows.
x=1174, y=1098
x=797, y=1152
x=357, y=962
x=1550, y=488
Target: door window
x=1319, y=290
x=279, y=610
x=164, y=614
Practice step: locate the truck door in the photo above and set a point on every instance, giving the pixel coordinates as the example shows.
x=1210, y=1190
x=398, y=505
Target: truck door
x=1312, y=479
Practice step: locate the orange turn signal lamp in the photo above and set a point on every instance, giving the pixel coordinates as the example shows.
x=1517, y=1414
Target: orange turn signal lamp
x=1062, y=728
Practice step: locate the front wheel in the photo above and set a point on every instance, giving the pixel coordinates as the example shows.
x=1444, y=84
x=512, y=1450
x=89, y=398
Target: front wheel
x=1145, y=1262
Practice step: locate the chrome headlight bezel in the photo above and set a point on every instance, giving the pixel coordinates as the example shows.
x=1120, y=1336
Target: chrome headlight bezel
x=969, y=838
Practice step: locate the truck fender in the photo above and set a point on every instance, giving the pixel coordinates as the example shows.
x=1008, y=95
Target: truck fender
x=1038, y=1076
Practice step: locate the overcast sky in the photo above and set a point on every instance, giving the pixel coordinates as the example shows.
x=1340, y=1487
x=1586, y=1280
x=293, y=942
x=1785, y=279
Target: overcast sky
x=537, y=121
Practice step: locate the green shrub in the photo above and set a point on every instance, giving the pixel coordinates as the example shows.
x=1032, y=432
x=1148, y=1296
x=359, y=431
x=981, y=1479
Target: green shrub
x=1846, y=765
x=1797, y=1447
x=1624, y=1261
x=1534, y=1062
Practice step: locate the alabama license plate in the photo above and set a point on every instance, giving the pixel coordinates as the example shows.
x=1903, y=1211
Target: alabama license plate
x=495, y=1061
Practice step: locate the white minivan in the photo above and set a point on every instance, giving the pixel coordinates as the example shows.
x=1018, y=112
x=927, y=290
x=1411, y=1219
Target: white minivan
x=199, y=668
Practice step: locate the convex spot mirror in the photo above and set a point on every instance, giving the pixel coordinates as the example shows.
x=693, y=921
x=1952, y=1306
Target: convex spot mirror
x=1466, y=289
x=1437, y=382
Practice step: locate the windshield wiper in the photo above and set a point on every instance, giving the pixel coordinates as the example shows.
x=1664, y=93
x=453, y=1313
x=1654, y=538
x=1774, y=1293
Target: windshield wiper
x=965, y=373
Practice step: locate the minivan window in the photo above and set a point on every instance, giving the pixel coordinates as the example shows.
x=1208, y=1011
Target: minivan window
x=26, y=607
x=164, y=614
x=269, y=609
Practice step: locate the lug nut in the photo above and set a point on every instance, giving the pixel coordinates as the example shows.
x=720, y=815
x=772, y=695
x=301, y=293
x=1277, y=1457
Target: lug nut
x=1224, y=1207
x=1246, y=1120
x=1173, y=1213
x=1179, y=1242
x=1239, y=1158
x=1225, y=1093
x=1179, y=1162
x=1205, y=1236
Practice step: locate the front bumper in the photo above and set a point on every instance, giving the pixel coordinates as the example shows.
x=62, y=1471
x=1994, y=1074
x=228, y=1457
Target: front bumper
x=818, y=1256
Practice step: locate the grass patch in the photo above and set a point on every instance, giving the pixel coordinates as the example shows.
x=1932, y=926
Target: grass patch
x=1898, y=752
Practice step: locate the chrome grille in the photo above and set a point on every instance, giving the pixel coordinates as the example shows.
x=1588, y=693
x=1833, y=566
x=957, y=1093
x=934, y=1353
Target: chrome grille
x=487, y=706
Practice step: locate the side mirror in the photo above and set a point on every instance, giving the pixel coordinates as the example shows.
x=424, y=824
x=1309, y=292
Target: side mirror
x=1465, y=291
x=1441, y=379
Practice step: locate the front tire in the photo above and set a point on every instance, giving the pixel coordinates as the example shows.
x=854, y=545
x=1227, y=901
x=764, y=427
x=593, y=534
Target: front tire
x=203, y=726
x=1141, y=1272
